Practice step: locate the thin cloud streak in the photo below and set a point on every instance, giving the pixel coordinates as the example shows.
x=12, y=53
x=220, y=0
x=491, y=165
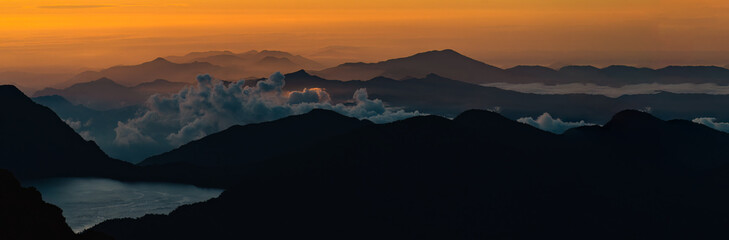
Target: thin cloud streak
x=75, y=6
x=581, y=88
x=110, y=6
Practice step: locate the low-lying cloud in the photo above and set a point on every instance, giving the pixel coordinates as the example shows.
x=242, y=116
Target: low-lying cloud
x=547, y=123
x=211, y=106
x=581, y=88
x=76, y=125
x=712, y=123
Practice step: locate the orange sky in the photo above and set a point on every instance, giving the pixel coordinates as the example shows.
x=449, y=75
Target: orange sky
x=501, y=32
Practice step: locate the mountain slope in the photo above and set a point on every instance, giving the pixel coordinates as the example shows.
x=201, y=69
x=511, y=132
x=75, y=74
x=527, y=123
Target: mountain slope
x=40, y=220
x=259, y=141
x=36, y=143
x=479, y=176
x=27, y=216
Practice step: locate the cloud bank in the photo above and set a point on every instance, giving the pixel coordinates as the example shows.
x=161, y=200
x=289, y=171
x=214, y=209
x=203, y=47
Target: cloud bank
x=547, y=123
x=211, y=106
x=712, y=123
x=647, y=88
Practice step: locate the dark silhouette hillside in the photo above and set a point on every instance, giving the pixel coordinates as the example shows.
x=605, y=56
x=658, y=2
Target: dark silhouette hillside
x=247, y=144
x=479, y=176
x=26, y=216
x=36, y=143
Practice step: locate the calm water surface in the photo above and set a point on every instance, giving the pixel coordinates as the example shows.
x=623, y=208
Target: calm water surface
x=89, y=201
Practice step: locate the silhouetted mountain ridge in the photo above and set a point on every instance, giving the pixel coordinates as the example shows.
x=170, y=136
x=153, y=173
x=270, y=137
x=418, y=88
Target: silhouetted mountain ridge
x=105, y=94
x=36, y=143
x=439, y=95
x=477, y=176
x=256, y=141
x=451, y=64
x=26, y=216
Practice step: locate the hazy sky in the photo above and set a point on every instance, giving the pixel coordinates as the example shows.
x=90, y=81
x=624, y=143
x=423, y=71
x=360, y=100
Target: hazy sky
x=501, y=32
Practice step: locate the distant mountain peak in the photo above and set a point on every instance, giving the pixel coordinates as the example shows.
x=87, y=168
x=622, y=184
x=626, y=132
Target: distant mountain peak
x=633, y=118
x=433, y=75
x=477, y=117
x=440, y=53
x=103, y=80
x=160, y=59
x=579, y=67
x=159, y=80
x=300, y=73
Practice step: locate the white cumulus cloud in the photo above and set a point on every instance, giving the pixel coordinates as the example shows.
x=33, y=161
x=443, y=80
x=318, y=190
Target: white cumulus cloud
x=712, y=123
x=547, y=123
x=211, y=106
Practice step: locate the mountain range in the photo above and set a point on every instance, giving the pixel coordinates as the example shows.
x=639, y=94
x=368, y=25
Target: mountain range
x=159, y=68
x=265, y=60
x=453, y=65
x=223, y=65
x=29, y=81
x=105, y=94
x=432, y=94
x=438, y=95
x=479, y=175
x=230, y=66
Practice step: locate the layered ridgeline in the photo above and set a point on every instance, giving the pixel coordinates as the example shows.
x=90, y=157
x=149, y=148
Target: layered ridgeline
x=443, y=96
x=105, y=94
x=26, y=216
x=477, y=176
x=432, y=94
x=36, y=143
x=451, y=64
x=223, y=64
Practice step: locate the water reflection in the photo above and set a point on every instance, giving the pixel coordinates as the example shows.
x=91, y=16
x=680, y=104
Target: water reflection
x=89, y=201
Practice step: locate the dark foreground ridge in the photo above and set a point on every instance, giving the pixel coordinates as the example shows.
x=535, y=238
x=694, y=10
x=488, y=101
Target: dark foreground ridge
x=26, y=216
x=479, y=176
x=36, y=143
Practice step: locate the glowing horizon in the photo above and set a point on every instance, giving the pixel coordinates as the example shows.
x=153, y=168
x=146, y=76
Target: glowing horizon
x=100, y=34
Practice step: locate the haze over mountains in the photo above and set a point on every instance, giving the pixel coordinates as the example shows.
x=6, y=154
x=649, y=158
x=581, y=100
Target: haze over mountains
x=265, y=60
x=222, y=64
x=451, y=64
x=105, y=94
x=230, y=66
x=432, y=94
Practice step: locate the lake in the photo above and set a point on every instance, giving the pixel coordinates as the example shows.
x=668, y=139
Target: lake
x=89, y=201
